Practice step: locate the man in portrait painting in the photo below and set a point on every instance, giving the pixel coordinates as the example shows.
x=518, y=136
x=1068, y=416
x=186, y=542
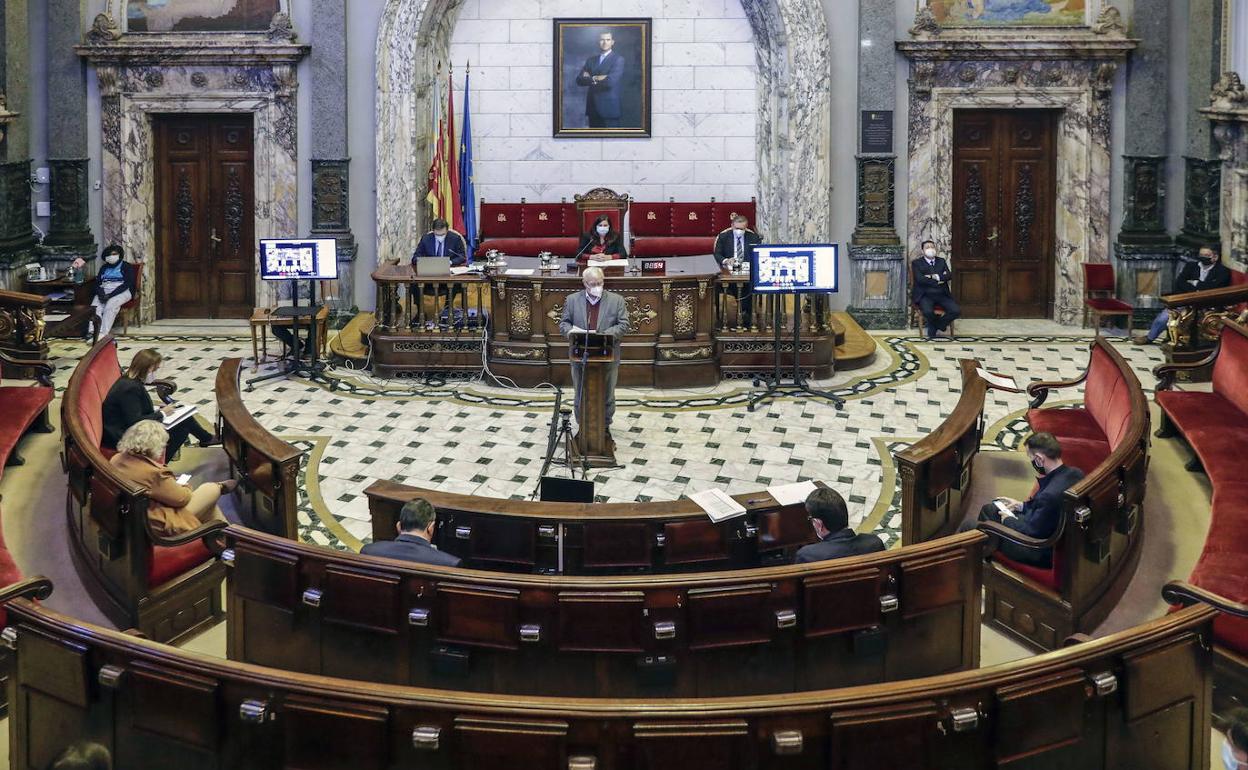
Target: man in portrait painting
x=602, y=76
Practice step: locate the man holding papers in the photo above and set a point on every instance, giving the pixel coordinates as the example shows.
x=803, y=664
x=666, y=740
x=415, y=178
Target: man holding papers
x=600, y=311
x=830, y=517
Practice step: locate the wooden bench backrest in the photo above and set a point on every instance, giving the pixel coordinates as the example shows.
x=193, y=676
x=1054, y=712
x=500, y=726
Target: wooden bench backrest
x=1139, y=698
x=528, y=536
x=266, y=466
x=913, y=610
x=936, y=470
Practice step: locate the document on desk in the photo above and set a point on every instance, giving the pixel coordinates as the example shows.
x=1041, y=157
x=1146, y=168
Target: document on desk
x=460, y=270
x=717, y=503
x=791, y=494
x=608, y=263
x=520, y=271
x=178, y=415
x=1000, y=381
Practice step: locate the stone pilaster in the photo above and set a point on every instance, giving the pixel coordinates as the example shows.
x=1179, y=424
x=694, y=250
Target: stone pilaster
x=15, y=50
x=69, y=232
x=1201, y=168
x=877, y=291
x=1229, y=116
x=329, y=148
x=17, y=238
x=1144, y=160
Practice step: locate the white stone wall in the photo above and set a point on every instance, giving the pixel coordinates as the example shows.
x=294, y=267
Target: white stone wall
x=703, y=85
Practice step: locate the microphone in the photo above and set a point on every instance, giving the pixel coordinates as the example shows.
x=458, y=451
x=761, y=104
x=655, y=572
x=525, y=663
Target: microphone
x=582, y=249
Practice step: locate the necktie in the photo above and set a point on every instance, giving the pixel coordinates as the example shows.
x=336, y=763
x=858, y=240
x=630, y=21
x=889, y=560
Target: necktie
x=440, y=247
x=738, y=249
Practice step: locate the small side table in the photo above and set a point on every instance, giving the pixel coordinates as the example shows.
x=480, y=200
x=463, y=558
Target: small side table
x=262, y=318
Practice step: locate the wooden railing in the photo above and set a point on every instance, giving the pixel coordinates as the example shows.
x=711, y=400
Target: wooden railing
x=1139, y=698
x=936, y=470
x=266, y=467
x=884, y=616
x=577, y=539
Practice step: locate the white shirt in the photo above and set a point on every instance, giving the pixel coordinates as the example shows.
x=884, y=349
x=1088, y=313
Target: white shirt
x=591, y=299
x=603, y=55
x=439, y=245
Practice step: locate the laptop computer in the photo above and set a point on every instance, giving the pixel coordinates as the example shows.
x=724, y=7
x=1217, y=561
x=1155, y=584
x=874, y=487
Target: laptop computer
x=433, y=266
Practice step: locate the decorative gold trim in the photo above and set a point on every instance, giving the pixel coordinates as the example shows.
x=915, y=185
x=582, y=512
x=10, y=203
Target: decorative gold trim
x=672, y=354
x=533, y=354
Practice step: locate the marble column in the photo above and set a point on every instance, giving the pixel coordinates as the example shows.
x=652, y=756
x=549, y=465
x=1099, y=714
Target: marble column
x=69, y=233
x=1144, y=251
x=17, y=238
x=331, y=207
x=1202, y=167
x=1228, y=113
x=877, y=257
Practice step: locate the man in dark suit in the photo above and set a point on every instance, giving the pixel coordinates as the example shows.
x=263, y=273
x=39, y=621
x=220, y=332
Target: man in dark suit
x=1039, y=516
x=830, y=518
x=441, y=241
x=931, y=289
x=1207, y=272
x=603, y=74
x=595, y=310
x=417, y=521
x=734, y=244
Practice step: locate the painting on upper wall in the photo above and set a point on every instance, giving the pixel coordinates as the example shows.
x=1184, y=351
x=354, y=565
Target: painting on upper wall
x=602, y=77
x=200, y=15
x=1009, y=13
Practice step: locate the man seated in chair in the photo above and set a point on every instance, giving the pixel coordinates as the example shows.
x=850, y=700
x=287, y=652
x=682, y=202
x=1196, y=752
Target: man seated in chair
x=734, y=244
x=931, y=289
x=417, y=522
x=1040, y=515
x=1207, y=272
x=829, y=516
x=442, y=241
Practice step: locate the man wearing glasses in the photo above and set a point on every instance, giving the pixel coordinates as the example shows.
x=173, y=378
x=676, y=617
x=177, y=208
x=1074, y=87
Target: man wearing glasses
x=829, y=516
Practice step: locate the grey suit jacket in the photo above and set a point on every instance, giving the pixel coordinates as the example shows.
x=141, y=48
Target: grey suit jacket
x=612, y=316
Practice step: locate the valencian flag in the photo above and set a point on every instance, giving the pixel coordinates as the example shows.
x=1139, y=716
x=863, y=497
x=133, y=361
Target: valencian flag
x=450, y=208
x=439, y=177
x=467, y=192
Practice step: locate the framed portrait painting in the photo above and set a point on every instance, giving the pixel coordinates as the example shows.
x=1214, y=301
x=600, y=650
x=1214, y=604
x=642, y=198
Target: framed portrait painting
x=1011, y=13
x=601, y=78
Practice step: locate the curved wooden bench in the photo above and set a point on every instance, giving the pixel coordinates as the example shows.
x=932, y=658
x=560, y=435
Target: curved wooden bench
x=266, y=467
x=936, y=470
x=1139, y=698
x=884, y=616
x=1215, y=424
x=1097, y=543
x=167, y=587
x=597, y=538
x=25, y=407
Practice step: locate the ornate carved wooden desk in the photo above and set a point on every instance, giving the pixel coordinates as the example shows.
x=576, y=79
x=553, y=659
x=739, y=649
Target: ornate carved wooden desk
x=685, y=324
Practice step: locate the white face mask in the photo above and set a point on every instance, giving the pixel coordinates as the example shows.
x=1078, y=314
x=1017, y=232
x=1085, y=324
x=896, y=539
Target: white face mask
x=594, y=291
x=151, y=377
x=112, y=259
x=930, y=253
x=603, y=229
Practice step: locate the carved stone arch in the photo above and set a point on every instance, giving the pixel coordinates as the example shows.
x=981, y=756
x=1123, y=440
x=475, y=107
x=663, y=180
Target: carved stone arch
x=793, y=127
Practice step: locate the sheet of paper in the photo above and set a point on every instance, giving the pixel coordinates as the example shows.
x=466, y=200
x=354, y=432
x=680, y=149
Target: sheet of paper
x=1003, y=507
x=609, y=262
x=460, y=270
x=520, y=271
x=185, y=477
x=717, y=503
x=179, y=414
x=997, y=380
x=52, y=318
x=792, y=494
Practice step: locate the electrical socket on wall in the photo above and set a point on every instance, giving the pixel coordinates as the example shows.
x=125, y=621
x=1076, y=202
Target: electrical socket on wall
x=41, y=175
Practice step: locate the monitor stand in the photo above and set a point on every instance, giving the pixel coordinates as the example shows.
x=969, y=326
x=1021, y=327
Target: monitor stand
x=312, y=369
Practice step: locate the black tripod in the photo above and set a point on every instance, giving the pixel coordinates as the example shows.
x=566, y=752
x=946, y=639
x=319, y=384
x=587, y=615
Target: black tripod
x=311, y=369
x=776, y=386
x=561, y=436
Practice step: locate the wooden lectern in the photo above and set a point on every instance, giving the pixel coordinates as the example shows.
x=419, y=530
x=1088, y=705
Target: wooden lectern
x=592, y=446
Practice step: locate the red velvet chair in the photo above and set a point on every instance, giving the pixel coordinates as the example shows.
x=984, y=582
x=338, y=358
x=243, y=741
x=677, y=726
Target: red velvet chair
x=916, y=316
x=133, y=305
x=1100, y=298
x=25, y=408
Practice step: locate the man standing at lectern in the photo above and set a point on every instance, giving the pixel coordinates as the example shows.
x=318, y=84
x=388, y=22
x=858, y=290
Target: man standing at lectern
x=601, y=311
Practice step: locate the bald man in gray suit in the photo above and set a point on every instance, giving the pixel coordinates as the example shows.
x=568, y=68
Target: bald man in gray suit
x=598, y=311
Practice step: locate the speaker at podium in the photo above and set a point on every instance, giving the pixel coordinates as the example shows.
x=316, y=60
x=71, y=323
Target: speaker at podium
x=595, y=352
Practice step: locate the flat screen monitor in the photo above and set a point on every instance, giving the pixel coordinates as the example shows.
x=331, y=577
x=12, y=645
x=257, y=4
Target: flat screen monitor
x=786, y=268
x=286, y=259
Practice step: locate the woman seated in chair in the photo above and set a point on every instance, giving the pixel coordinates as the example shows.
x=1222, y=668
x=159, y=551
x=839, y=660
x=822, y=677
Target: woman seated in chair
x=601, y=242
x=114, y=285
x=173, y=508
x=128, y=402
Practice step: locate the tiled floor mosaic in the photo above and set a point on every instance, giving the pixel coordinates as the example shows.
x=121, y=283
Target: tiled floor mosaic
x=467, y=437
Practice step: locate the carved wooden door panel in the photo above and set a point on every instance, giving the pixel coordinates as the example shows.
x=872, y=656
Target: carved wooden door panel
x=1004, y=203
x=205, y=216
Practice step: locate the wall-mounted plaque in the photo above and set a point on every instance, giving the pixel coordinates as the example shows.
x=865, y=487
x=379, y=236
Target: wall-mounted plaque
x=877, y=131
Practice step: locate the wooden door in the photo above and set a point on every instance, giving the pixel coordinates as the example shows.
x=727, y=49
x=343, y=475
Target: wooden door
x=1004, y=204
x=205, y=216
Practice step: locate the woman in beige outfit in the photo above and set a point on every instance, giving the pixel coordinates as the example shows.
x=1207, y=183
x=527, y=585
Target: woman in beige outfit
x=174, y=507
